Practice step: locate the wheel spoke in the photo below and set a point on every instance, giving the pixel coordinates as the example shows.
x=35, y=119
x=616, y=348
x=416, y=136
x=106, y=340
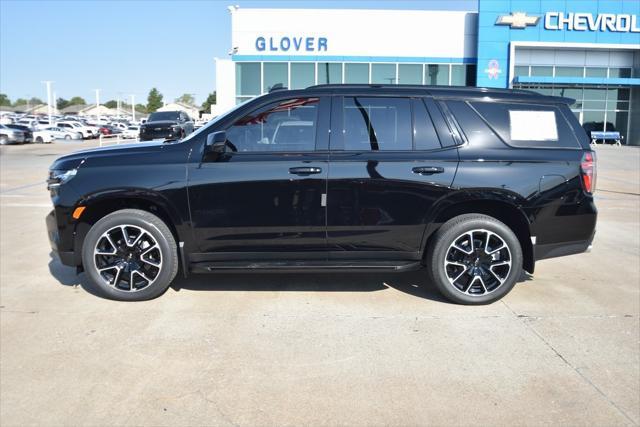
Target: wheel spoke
x=149, y=249
x=152, y=263
x=493, y=273
x=116, y=278
x=460, y=275
x=499, y=263
x=113, y=245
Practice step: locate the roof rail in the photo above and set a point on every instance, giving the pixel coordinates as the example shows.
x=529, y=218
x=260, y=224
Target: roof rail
x=425, y=87
x=276, y=87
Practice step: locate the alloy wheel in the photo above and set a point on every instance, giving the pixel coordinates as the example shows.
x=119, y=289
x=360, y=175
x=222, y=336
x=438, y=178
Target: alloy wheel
x=478, y=262
x=128, y=258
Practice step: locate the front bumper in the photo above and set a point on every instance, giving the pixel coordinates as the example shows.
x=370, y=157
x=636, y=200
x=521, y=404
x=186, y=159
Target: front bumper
x=66, y=257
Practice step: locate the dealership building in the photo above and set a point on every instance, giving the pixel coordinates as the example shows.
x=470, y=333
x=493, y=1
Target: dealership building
x=585, y=50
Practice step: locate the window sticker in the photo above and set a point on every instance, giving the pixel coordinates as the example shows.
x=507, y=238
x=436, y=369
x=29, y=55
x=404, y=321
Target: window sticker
x=531, y=125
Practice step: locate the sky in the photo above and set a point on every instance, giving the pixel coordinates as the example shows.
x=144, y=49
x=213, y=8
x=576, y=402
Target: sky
x=127, y=47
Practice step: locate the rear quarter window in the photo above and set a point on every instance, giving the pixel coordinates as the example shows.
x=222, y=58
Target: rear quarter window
x=528, y=125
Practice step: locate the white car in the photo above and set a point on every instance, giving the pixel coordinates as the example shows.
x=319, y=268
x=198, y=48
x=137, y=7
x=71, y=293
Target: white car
x=86, y=131
x=131, y=132
x=51, y=133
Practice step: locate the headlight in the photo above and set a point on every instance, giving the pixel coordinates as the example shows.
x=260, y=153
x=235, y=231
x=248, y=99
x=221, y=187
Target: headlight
x=175, y=128
x=59, y=177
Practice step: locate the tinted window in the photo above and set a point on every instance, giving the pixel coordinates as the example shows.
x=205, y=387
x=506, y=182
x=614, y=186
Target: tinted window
x=288, y=125
x=163, y=115
x=377, y=124
x=528, y=125
x=424, y=133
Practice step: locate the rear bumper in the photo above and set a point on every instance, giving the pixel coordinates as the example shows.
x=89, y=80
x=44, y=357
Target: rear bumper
x=555, y=250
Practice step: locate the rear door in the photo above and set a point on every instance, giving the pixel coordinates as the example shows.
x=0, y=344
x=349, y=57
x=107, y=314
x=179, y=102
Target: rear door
x=391, y=158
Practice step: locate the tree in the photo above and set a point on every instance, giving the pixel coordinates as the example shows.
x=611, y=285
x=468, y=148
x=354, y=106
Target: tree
x=186, y=98
x=20, y=101
x=4, y=100
x=141, y=108
x=154, y=100
x=111, y=104
x=211, y=100
x=77, y=100
x=62, y=103
x=35, y=101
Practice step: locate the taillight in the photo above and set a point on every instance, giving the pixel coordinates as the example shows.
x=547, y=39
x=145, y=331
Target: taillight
x=588, y=170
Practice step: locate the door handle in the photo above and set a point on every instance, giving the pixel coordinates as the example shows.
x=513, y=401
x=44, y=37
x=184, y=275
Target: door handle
x=427, y=170
x=305, y=170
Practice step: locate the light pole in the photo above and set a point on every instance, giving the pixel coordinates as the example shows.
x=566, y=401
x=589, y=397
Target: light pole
x=97, y=106
x=133, y=108
x=48, y=83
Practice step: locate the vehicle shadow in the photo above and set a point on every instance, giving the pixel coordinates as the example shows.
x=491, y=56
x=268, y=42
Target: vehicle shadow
x=67, y=276
x=414, y=283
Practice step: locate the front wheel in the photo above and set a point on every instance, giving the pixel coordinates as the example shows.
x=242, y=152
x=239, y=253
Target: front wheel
x=474, y=259
x=130, y=255
x=67, y=137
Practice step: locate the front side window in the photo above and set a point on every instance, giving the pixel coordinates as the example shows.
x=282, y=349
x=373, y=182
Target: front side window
x=372, y=124
x=283, y=126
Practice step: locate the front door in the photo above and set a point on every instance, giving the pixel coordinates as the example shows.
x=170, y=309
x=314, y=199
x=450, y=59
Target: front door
x=388, y=167
x=265, y=199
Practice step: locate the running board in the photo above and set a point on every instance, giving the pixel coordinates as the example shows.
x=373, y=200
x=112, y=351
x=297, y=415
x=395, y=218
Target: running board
x=304, y=266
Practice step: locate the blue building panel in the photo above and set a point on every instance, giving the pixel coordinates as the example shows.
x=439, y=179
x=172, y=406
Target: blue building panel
x=502, y=22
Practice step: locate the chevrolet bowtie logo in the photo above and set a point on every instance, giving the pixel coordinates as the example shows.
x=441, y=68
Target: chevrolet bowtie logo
x=518, y=20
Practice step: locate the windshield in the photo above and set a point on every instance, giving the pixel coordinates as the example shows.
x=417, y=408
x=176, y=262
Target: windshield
x=164, y=115
x=205, y=129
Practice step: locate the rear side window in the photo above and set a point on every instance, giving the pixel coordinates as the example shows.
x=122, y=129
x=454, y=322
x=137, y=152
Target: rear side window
x=372, y=124
x=424, y=133
x=528, y=125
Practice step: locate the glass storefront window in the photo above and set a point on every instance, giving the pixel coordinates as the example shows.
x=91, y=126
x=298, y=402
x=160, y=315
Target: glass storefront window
x=303, y=74
x=329, y=72
x=383, y=73
x=248, y=78
x=619, y=73
x=521, y=70
x=543, y=71
x=410, y=74
x=594, y=105
x=274, y=73
x=595, y=72
x=569, y=71
x=436, y=74
x=595, y=94
x=458, y=75
x=356, y=73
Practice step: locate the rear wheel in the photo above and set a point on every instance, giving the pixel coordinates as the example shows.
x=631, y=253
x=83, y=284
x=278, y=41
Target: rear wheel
x=3, y=140
x=39, y=140
x=474, y=259
x=67, y=137
x=130, y=255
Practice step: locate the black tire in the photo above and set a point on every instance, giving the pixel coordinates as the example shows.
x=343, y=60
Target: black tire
x=39, y=140
x=440, y=250
x=152, y=225
x=67, y=137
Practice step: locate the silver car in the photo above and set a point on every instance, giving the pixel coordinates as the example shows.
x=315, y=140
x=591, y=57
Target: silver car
x=10, y=136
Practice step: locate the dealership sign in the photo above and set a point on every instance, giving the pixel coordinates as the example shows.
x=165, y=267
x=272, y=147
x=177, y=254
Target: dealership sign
x=293, y=43
x=621, y=23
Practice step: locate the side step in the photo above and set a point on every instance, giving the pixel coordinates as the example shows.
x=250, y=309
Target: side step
x=304, y=266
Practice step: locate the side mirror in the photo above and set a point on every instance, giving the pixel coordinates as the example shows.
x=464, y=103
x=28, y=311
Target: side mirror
x=217, y=142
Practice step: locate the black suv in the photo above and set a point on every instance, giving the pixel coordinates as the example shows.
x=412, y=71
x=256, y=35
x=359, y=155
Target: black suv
x=472, y=185
x=166, y=125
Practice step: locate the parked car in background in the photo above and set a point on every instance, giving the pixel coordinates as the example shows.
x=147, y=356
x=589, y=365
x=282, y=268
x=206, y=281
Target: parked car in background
x=131, y=132
x=55, y=132
x=28, y=133
x=77, y=127
x=30, y=123
x=166, y=125
x=10, y=136
x=109, y=130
